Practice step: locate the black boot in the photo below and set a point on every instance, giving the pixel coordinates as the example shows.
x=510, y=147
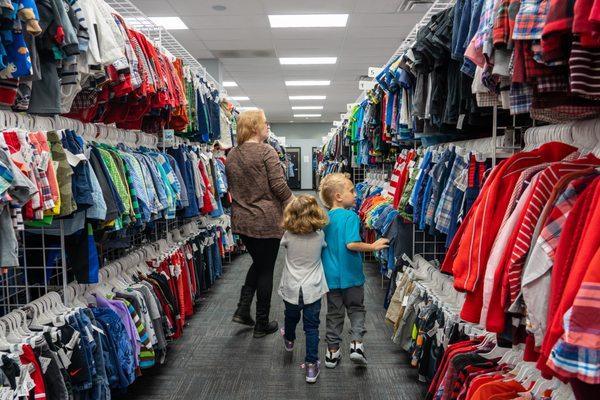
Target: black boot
x=242, y=314
x=263, y=327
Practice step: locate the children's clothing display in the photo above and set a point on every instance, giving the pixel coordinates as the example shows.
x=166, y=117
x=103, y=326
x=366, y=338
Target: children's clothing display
x=92, y=188
x=114, y=331
x=523, y=278
x=81, y=59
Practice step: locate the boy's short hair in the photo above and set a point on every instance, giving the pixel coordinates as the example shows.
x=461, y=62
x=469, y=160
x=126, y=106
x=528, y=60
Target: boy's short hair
x=330, y=185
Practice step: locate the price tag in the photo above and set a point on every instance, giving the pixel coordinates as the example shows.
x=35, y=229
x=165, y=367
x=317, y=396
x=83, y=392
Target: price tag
x=461, y=121
x=405, y=301
x=100, y=331
x=44, y=363
x=44, y=159
x=64, y=359
x=74, y=159
x=168, y=137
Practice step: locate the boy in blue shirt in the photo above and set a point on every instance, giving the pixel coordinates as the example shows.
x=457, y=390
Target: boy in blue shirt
x=343, y=267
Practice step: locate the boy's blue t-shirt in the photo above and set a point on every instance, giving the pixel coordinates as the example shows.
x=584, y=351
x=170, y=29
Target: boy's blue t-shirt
x=343, y=268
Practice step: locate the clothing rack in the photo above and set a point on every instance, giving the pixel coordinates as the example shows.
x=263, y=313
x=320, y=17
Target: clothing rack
x=438, y=290
x=137, y=19
x=582, y=134
x=16, y=287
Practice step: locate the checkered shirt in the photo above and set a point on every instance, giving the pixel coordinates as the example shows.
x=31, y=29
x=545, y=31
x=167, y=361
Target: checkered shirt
x=521, y=97
x=443, y=213
x=550, y=234
x=530, y=20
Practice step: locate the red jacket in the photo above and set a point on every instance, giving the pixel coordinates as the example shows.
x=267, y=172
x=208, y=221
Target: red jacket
x=468, y=254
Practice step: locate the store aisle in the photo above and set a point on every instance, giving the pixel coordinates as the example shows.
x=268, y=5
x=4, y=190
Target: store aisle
x=217, y=359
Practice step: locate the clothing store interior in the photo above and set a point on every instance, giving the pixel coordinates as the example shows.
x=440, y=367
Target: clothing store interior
x=437, y=163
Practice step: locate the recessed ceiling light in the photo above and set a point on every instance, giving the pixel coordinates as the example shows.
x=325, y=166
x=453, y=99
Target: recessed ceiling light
x=240, y=98
x=247, y=108
x=229, y=84
x=307, y=107
x=170, y=23
x=318, y=97
x=307, y=115
x=307, y=83
x=219, y=7
x=307, y=60
x=308, y=21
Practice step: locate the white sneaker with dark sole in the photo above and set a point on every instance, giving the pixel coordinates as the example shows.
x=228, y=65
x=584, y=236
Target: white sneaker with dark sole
x=332, y=359
x=357, y=354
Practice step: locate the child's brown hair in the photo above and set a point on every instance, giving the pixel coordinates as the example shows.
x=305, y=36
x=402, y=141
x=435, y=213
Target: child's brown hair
x=303, y=215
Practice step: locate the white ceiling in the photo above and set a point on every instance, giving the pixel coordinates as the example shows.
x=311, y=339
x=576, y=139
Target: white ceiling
x=374, y=31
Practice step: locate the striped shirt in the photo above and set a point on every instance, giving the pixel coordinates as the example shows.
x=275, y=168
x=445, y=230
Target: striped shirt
x=538, y=199
x=584, y=65
x=146, y=356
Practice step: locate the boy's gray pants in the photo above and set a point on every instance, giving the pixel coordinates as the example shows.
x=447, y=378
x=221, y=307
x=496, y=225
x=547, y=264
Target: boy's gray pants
x=352, y=301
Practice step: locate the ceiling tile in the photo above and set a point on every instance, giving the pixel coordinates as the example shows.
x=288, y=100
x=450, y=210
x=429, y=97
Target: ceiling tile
x=203, y=7
x=250, y=48
x=155, y=8
x=307, y=6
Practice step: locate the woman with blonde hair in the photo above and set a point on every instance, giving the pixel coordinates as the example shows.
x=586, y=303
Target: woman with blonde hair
x=259, y=191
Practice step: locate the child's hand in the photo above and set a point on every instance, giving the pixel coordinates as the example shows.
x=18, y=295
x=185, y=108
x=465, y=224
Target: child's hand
x=380, y=244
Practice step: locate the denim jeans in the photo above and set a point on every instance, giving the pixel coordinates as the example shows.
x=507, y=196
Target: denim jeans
x=310, y=321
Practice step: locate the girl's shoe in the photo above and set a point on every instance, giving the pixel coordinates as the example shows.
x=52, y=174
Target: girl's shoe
x=357, y=354
x=312, y=371
x=332, y=359
x=288, y=344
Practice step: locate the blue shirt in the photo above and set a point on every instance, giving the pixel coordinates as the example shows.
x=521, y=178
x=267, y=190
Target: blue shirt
x=343, y=268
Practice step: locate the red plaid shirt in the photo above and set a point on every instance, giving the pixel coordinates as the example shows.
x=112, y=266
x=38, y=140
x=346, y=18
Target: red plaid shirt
x=530, y=20
x=550, y=234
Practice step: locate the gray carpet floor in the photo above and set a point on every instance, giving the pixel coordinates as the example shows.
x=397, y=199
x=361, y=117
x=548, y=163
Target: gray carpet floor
x=218, y=359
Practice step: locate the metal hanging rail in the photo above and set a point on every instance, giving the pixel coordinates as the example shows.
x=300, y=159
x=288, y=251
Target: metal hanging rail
x=140, y=21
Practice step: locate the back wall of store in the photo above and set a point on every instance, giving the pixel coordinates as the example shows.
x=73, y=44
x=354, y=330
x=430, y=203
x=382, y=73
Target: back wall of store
x=306, y=136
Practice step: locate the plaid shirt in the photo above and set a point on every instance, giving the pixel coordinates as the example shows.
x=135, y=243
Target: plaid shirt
x=558, y=83
x=521, y=97
x=550, y=234
x=563, y=112
x=486, y=24
x=573, y=361
x=443, y=213
x=501, y=32
x=530, y=20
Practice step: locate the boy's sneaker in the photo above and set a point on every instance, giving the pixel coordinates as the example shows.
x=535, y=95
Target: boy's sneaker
x=357, y=354
x=312, y=372
x=332, y=359
x=288, y=344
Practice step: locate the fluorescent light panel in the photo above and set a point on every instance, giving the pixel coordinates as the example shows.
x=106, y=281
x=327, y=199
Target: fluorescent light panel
x=308, y=21
x=240, y=98
x=307, y=107
x=307, y=60
x=318, y=97
x=169, y=23
x=247, y=108
x=229, y=84
x=307, y=115
x=307, y=83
